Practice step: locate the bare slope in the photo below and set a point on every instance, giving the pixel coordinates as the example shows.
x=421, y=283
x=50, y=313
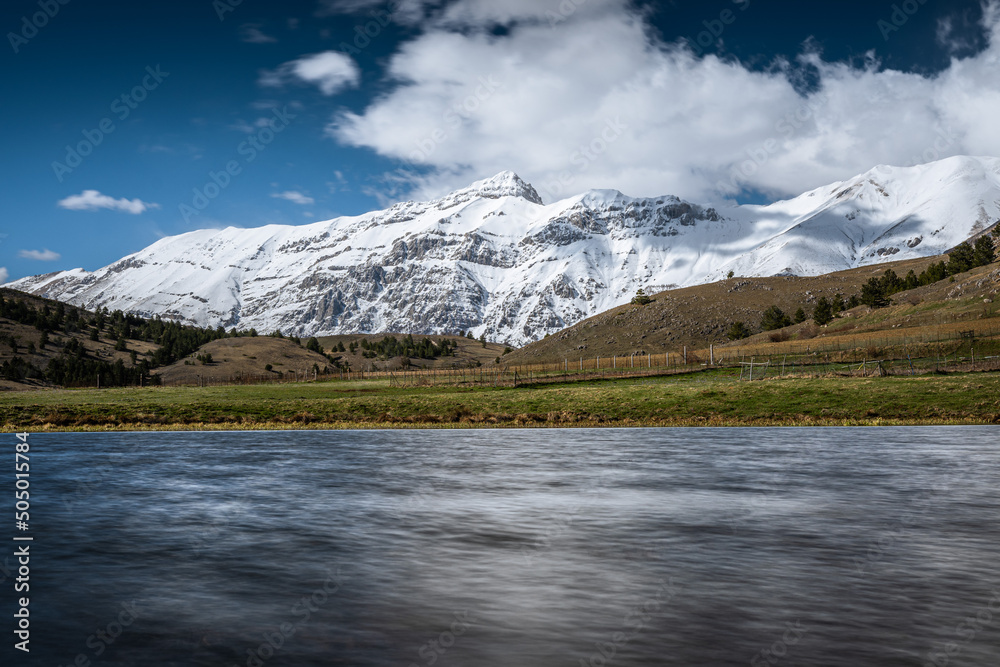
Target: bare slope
x=245, y=357
x=697, y=316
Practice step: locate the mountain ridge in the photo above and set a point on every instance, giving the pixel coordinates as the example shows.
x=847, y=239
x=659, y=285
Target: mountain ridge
x=493, y=258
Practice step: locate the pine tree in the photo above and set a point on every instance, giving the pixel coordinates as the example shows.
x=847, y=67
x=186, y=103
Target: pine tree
x=738, y=331
x=823, y=314
x=983, y=252
x=774, y=318
x=961, y=259
x=800, y=316
x=873, y=294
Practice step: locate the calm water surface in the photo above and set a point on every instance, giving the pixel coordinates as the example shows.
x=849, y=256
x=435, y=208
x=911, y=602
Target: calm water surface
x=537, y=547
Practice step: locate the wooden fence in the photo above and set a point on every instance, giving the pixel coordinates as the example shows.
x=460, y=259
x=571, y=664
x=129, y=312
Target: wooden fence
x=949, y=347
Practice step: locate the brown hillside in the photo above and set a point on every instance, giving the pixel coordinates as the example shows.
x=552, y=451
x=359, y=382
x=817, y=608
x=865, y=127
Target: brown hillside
x=700, y=315
x=245, y=357
x=103, y=349
x=470, y=352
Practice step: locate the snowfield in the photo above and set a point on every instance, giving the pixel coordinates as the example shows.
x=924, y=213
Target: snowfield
x=494, y=259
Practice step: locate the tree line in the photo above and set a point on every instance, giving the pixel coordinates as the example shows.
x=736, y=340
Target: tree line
x=74, y=366
x=877, y=291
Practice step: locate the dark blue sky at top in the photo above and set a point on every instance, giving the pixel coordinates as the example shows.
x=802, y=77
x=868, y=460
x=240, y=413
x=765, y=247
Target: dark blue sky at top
x=64, y=80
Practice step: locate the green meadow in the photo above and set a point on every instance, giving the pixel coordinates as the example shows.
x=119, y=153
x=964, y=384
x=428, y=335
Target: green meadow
x=697, y=399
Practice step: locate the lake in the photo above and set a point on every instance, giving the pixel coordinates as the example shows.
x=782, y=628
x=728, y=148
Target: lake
x=827, y=546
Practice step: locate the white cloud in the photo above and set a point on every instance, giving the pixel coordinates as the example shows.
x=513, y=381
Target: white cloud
x=242, y=126
x=401, y=11
x=331, y=71
x=595, y=100
x=92, y=200
x=4, y=274
x=40, y=255
x=251, y=33
x=295, y=197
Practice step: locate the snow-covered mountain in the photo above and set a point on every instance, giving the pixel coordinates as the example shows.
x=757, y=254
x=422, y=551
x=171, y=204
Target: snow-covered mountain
x=494, y=259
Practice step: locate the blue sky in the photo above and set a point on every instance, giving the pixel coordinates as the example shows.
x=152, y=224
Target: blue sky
x=129, y=121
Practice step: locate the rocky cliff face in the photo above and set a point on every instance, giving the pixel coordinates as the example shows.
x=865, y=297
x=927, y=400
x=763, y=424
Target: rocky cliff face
x=494, y=259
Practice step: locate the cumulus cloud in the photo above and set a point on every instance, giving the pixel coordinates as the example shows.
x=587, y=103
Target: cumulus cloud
x=331, y=71
x=39, y=255
x=252, y=34
x=92, y=200
x=295, y=197
x=4, y=275
x=591, y=98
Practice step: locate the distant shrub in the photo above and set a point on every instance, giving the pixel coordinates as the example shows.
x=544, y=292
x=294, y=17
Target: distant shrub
x=640, y=298
x=738, y=331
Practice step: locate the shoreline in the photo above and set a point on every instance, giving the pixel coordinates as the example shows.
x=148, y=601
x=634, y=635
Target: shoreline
x=694, y=423
x=658, y=402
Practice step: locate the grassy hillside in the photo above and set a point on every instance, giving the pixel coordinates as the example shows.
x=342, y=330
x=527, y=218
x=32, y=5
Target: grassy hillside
x=39, y=344
x=468, y=352
x=698, y=316
x=257, y=358
x=44, y=344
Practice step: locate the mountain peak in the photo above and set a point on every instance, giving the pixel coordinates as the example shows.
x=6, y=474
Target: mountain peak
x=504, y=184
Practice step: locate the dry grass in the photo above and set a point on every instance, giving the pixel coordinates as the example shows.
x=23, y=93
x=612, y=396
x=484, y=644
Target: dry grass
x=469, y=352
x=698, y=316
x=244, y=356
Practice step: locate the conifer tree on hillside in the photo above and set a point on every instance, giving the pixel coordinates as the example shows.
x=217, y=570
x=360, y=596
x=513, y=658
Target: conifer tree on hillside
x=640, y=298
x=774, y=318
x=823, y=314
x=983, y=252
x=738, y=331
